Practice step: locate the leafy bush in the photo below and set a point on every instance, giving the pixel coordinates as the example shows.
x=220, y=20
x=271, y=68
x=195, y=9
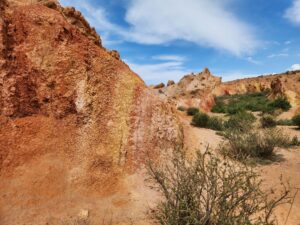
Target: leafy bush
x=234, y=109
x=215, y=123
x=236, y=103
x=254, y=102
x=181, y=108
x=268, y=121
x=240, y=121
x=281, y=103
x=211, y=191
x=285, y=122
x=192, y=111
x=296, y=120
x=200, y=120
x=255, y=143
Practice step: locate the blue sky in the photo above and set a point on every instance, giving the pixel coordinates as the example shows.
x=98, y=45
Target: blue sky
x=166, y=39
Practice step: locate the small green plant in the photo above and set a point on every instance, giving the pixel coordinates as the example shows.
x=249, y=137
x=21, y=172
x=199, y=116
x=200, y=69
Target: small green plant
x=181, y=108
x=296, y=120
x=285, y=122
x=241, y=121
x=209, y=190
x=256, y=144
x=268, y=121
x=200, y=120
x=281, y=103
x=192, y=111
x=215, y=123
x=255, y=102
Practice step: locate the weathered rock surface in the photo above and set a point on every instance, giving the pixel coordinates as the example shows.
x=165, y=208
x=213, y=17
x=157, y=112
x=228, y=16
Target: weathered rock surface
x=199, y=90
x=192, y=90
x=76, y=122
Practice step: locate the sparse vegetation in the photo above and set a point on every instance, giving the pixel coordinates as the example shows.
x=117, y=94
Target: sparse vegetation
x=181, y=108
x=215, y=123
x=268, y=121
x=205, y=121
x=200, y=120
x=232, y=104
x=285, y=122
x=255, y=144
x=296, y=120
x=281, y=103
x=192, y=111
x=241, y=121
x=211, y=191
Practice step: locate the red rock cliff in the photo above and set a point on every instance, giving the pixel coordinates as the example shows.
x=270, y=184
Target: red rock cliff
x=74, y=118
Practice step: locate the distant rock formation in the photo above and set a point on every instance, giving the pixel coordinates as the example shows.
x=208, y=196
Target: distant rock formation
x=192, y=90
x=170, y=83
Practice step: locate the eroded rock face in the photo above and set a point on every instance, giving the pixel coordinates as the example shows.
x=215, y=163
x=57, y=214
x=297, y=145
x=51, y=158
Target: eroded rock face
x=193, y=90
x=277, y=89
x=75, y=120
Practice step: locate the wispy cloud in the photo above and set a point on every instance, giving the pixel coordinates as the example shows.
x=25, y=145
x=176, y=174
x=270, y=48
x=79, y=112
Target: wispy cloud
x=293, y=12
x=177, y=58
x=251, y=60
x=206, y=23
x=278, y=55
x=288, y=42
x=165, y=71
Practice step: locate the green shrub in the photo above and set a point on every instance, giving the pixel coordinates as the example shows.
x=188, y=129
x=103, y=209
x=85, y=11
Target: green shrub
x=268, y=121
x=240, y=121
x=181, y=108
x=210, y=191
x=281, y=103
x=215, y=123
x=192, y=111
x=219, y=107
x=254, y=102
x=200, y=120
x=255, y=143
x=232, y=104
x=234, y=109
x=285, y=122
x=296, y=120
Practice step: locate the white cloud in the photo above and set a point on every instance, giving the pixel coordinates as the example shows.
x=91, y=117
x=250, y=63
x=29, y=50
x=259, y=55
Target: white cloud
x=152, y=73
x=206, y=23
x=293, y=13
x=178, y=58
x=251, y=60
x=278, y=55
x=294, y=67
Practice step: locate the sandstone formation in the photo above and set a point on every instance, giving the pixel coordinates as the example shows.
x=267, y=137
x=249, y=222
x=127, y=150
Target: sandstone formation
x=192, y=90
x=278, y=85
x=170, y=83
x=199, y=90
x=158, y=86
x=76, y=122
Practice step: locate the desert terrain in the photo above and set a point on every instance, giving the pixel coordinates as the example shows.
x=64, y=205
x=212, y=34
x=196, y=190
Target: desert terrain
x=78, y=126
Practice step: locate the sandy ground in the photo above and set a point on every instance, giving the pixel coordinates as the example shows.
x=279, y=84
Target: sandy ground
x=288, y=167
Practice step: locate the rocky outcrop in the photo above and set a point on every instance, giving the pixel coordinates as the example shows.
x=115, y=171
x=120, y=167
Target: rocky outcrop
x=277, y=89
x=278, y=85
x=76, y=122
x=192, y=90
x=158, y=86
x=170, y=83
